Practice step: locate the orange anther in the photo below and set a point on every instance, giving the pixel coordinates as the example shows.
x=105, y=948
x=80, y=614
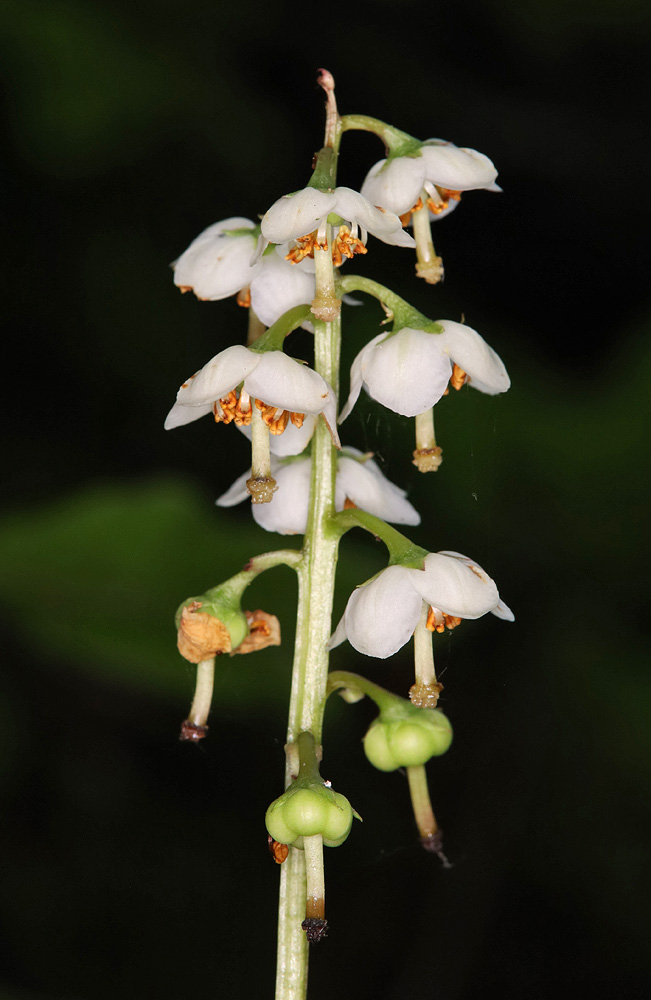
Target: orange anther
x=458, y=377
x=244, y=297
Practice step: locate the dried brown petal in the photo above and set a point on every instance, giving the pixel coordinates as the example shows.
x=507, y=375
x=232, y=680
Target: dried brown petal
x=201, y=636
x=264, y=630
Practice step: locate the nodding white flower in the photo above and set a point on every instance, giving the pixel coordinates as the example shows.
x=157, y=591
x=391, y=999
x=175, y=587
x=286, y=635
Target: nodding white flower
x=382, y=614
x=217, y=264
x=409, y=371
x=239, y=378
x=301, y=219
x=437, y=176
x=359, y=483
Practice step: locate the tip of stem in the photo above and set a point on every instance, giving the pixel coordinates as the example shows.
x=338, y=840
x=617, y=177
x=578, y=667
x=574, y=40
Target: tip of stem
x=316, y=929
x=325, y=79
x=192, y=732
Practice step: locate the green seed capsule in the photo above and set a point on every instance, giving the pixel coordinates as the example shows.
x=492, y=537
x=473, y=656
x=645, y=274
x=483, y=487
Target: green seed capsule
x=407, y=742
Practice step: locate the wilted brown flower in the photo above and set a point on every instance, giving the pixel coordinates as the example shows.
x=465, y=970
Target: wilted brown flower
x=201, y=636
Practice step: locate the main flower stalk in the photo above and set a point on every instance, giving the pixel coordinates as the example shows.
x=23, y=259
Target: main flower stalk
x=316, y=576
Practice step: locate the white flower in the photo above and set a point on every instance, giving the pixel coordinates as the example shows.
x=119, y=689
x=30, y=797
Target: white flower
x=218, y=264
x=302, y=217
x=381, y=615
x=408, y=372
x=359, y=480
x=438, y=175
x=238, y=378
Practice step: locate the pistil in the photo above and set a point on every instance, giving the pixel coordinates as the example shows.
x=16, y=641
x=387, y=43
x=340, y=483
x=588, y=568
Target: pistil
x=194, y=728
x=428, y=265
x=427, y=455
x=425, y=692
x=261, y=485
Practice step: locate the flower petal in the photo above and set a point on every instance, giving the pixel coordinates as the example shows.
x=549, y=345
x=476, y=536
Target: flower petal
x=236, y=493
x=457, y=168
x=370, y=490
x=280, y=381
x=278, y=286
x=395, y=184
x=180, y=415
x=455, y=585
x=356, y=377
x=296, y=214
x=408, y=372
x=503, y=611
x=287, y=511
x=216, y=264
x=382, y=615
x=470, y=351
x=221, y=374
x=382, y=224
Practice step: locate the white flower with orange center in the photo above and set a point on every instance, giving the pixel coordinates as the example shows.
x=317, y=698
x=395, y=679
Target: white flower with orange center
x=428, y=185
x=437, y=175
x=382, y=614
x=217, y=264
x=301, y=219
x=359, y=483
x=409, y=371
x=238, y=379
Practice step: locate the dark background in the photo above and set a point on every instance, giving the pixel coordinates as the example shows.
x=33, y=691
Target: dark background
x=134, y=865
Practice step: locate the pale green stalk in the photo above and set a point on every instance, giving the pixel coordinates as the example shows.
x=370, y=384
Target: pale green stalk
x=316, y=576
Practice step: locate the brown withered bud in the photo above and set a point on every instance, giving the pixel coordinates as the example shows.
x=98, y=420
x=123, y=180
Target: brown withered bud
x=264, y=630
x=201, y=636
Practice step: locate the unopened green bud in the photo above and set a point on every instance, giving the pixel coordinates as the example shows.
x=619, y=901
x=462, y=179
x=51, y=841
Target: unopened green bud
x=409, y=741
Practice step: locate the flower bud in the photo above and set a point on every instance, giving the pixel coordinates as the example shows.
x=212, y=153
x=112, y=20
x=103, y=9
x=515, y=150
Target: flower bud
x=406, y=742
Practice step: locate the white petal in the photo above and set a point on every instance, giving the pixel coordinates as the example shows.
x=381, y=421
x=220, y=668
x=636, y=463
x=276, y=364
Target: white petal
x=471, y=352
x=370, y=490
x=216, y=264
x=221, y=374
x=382, y=615
x=329, y=414
x=278, y=286
x=395, y=184
x=180, y=415
x=356, y=377
x=503, y=611
x=280, y=381
x=408, y=373
x=235, y=493
x=455, y=585
x=457, y=168
x=386, y=226
x=339, y=634
x=296, y=215
x=292, y=441
x=287, y=512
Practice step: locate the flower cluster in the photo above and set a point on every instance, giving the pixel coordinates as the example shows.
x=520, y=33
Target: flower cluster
x=287, y=270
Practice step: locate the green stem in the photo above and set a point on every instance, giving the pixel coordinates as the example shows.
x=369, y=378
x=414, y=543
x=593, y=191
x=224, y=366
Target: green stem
x=316, y=582
x=398, y=143
x=402, y=551
x=384, y=699
x=402, y=313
